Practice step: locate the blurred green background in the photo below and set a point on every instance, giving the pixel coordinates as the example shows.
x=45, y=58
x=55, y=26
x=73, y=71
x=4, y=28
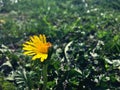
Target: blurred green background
x=86, y=44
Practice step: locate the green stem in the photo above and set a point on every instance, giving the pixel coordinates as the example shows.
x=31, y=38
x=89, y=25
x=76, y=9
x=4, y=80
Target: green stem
x=44, y=76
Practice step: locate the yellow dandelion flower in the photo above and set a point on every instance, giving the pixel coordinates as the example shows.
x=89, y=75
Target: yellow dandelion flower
x=37, y=47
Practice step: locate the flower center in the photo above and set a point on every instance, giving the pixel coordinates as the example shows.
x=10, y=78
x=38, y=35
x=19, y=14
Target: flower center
x=43, y=48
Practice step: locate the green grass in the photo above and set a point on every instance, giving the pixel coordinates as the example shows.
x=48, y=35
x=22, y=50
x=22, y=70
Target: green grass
x=86, y=43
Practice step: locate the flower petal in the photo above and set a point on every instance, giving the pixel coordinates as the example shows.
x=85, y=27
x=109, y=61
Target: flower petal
x=29, y=43
x=44, y=39
x=36, y=56
x=44, y=56
x=29, y=53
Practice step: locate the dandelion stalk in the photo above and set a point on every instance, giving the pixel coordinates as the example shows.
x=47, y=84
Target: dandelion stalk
x=44, y=73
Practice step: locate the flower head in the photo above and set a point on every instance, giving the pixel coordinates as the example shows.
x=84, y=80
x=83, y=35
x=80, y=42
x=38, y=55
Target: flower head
x=37, y=47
